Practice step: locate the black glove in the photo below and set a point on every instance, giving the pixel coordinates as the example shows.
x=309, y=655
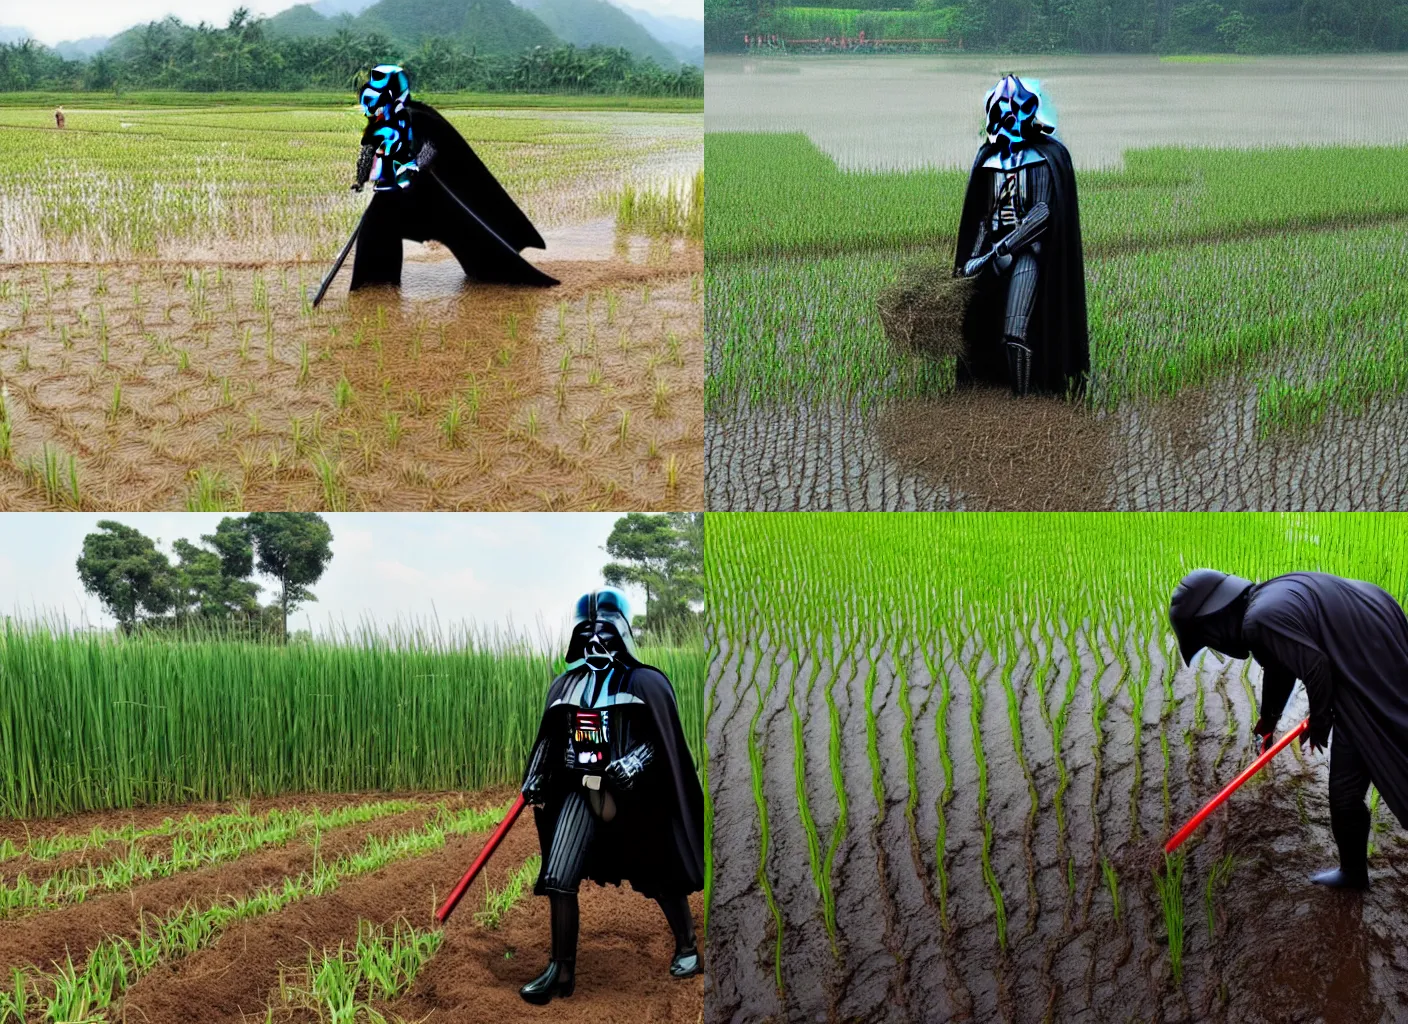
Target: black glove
x=625, y=771
x=1265, y=732
x=535, y=788
x=356, y=186
x=1318, y=735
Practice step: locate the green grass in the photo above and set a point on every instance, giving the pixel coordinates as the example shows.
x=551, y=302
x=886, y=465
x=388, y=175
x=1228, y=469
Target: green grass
x=1170, y=886
x=498, y=902
x=834, y=22
x=798, y=250
x=340, y=985
x=92, y=720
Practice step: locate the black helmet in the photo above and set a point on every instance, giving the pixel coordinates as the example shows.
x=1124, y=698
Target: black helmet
x=1199, y=596
x=601, y=623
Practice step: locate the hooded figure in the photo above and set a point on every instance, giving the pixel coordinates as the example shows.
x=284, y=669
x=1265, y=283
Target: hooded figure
x=1347, y=642
x=616, y=794
x=1019, y=234
x=429, y=184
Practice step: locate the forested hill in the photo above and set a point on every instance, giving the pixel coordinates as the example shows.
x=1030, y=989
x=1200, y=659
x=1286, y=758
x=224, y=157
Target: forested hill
x=1082, y=26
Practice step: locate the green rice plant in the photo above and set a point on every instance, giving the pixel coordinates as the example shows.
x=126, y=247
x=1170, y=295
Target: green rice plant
x=209, y=490
x=804, y=811
x=243, y=718
x=1218, y=878
x=330, y=476
x=1112, y=882
x=452, y=423
x=976, y=688
x=7, y=451
x=755, y=759
x=1170, y=886
x=498, y=902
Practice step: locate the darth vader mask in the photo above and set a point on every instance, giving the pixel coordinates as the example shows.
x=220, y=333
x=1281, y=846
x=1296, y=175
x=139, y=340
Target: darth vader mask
x=601, y=630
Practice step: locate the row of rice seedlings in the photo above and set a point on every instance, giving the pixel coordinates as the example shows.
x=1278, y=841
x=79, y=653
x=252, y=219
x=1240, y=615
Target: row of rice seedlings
x=498, y=902
x=1169, y=884
x=41, y=848
x=937, y=671
x=239, y=717
x=341, y=985
x=69, y=993
x=977, y=687
x=1008, y=658
x=804, y=811
x=838, y=775
x=755, y=760
x=215, y=842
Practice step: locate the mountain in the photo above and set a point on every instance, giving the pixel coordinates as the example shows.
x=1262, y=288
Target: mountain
x=490, y=26
x=332, y=8
x=671, y=30
x=305, y=20
x=596, y=22
x=688, y=54
x=81, y=49
x=14, y=34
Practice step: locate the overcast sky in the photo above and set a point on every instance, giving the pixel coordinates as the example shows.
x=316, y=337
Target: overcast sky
x=488, y=568
x=60, y=20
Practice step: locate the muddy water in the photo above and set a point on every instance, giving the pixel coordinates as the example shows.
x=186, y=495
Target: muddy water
x=915, y=935
x=979, y=449
x=162, y=381
x=913, y=111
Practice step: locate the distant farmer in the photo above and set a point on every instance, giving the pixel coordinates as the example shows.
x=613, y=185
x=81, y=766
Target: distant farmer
x=59, y=117
x=1347, y=642
x=615, y=787
x=429, y=184
x=1019, y=235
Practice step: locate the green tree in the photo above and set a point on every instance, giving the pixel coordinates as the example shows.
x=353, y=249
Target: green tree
x=205, y=588
x=664, y=555
x=294, y=548
x=123, y=569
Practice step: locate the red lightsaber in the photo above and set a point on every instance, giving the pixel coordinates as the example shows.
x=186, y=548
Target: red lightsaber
x=482, y=859
x=1217, y=801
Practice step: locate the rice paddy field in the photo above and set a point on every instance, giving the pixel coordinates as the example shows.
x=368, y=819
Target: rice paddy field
x=220, y=830
x=158, y=347
x=947, y=751
x=1246, y=306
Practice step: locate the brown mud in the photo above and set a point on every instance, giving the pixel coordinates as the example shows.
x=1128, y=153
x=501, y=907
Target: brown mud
x=170, y=386
x=44, y=937
x=981, y=450
x=916, y=935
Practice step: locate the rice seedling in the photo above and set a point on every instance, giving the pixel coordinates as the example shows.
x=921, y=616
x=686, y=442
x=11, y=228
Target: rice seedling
x=330, y=476
x=452, y=422
x=1112, y=882
x=498, y=902
x=1170, y=887
x=1218, y=878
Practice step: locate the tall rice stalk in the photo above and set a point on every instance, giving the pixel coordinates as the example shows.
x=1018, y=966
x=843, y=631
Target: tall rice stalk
x=98, y=720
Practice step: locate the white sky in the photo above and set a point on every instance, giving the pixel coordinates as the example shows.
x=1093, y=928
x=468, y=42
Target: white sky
x=492, y=569
x=60, y=20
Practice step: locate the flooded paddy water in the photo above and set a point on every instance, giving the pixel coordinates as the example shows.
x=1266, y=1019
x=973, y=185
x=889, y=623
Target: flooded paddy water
x=1208, y=446
x=156, y=361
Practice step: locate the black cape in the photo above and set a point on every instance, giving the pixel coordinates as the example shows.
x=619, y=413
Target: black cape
x=1347, y=642
x=656, y=840
x=455, y=201
x=1057, y=329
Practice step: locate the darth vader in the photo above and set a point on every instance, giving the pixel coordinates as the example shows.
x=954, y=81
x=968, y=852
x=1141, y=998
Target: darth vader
x=1347, y=642
x=430, y=185
x=1019, y=236
x=614, y=787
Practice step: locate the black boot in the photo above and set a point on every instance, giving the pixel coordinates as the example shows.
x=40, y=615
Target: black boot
x=560, y=977
x=1349, y=823
x=1019, y=368
x=685, y=963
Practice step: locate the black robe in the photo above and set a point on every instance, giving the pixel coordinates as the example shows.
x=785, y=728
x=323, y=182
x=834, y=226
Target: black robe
x=456, y=201
x=1347, y=642
x=1057, y=330
x=656, y=839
